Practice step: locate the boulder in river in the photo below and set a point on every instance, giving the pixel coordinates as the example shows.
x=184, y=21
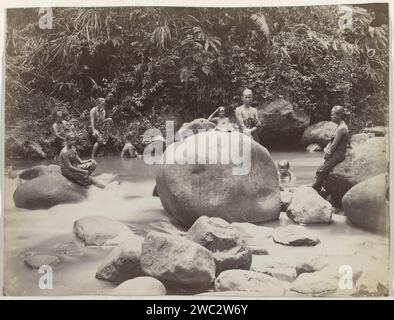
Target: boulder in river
x=229, y=250
x=177, y=261
x=366, y=205
x=320, y=133
x=243, y=280
x=46, y=191
x=229, y=191
x=96, y=230
x=257, y=237
x=294, y=235
x=314, y=147
x=362, y=162
x=308, y=207
x=140, y=286
x=378, y=131
x=123, y=262
x=281, y=122
x=360, y=138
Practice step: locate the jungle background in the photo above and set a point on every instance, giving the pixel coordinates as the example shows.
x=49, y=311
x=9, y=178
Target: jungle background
x=182, y=63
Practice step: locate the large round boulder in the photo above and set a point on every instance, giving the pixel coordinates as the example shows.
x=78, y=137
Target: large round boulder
x=319, y=133
x=245, y=189
x=46, y=191
x=281, y=122
x=366, y=204
x=362, y=162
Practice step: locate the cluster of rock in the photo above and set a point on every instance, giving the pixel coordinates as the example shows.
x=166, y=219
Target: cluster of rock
x=213, y=257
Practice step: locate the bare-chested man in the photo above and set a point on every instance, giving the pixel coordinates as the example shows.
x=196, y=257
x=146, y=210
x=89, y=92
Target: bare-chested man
x=246, y=115
x=100, y=125
x=335, y=151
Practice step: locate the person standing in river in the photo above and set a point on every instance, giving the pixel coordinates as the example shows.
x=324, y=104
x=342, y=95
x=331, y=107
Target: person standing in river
x=335, y=151
x=100, y=125
x=247, y=117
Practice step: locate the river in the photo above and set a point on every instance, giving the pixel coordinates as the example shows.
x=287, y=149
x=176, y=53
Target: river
x=128, y=198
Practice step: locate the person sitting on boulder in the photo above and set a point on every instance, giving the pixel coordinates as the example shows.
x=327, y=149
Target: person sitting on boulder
x=73, y=168
x=129, y=147
x=222, y=122
x=247, y=117
x=287, y=178
x=335, y=151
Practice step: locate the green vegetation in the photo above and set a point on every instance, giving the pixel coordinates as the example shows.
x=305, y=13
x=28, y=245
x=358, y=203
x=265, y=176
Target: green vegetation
x=182, y=63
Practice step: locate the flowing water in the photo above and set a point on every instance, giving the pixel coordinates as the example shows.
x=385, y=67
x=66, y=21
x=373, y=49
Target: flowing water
x=128, y=198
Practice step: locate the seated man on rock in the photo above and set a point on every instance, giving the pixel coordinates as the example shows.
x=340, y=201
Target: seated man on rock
x=335, y=151
x=221, y=121
x=73, y=168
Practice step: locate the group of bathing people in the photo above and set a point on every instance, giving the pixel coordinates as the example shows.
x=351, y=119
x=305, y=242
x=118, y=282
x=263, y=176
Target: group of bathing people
x=247, y=121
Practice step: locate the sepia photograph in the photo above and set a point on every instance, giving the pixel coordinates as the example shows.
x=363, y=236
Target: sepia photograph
x=197, y=151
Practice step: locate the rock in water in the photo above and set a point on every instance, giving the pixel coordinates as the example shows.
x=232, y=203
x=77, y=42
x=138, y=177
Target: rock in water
x=242, y=280
x=258, y=238
x=314, y=284
x=360, y=138
x=46, y=191
x=362, y=162
x=295, y=236
x=39, y=260
x=366, y=205
x=281, y=121
x=378, y=131
x=224, y=241
x=314, y=147
x=177, y=261
x=307, y=207
x=37, y=171
x=320, y=133
x=123, y=262
x=140, y=286
x=188, y=191
x=95, y=230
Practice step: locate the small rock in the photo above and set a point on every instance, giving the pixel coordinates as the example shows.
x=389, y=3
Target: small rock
x=314, y=147
x=315, y=285
x=295, y=236
x=39, y=260
x=311, y=264
x=308, y=207
x=123, y=262
x=229, y=250
x=255, y=236
x=283, y=274
x=242, y=280
x=95, y=230
x=140, y=286
x=378, y=131
x=177, y=261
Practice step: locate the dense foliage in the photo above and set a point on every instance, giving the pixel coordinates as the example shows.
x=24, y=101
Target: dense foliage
x=182, y=63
